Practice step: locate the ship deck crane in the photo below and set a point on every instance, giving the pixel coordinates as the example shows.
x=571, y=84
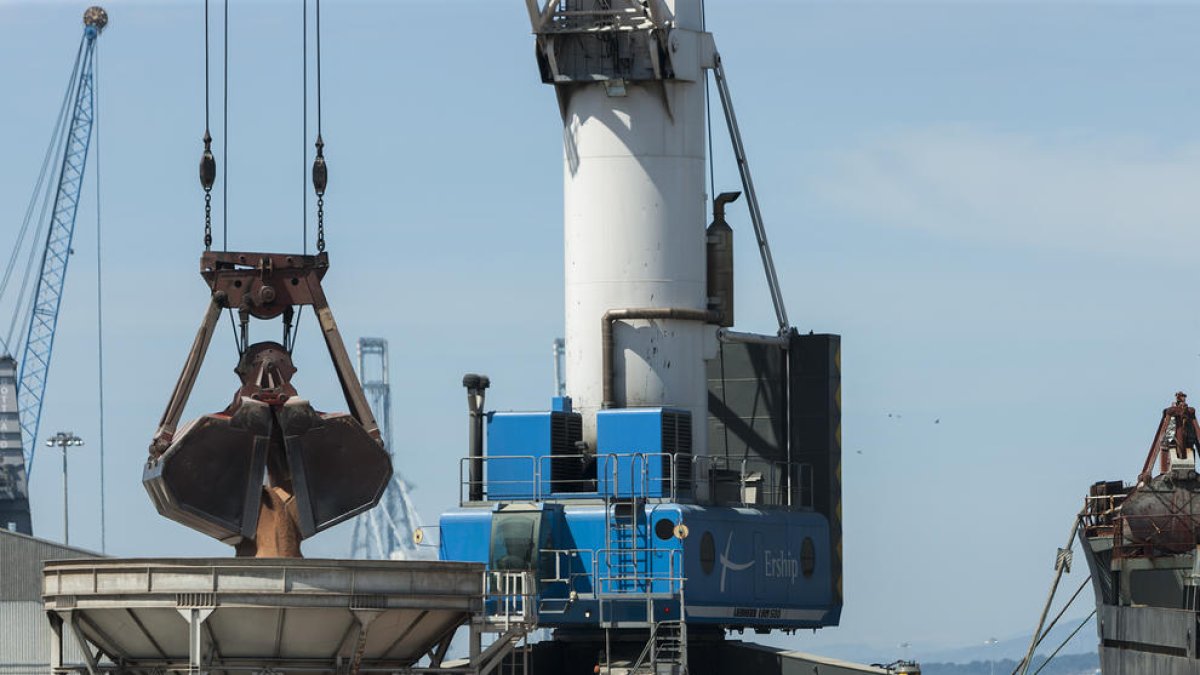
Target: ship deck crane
x=45, y=271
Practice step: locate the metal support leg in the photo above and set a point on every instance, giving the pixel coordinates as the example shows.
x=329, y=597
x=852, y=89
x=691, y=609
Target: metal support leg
x=195, y=616
x=364, y=619
x=56, y=641
x=439, y=652
x=81, y=641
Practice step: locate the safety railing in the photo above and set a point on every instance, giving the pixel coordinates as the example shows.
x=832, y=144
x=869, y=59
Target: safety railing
x=546, y=478
x=655, y=476
x=1099, y=512
x=633, y=571
x=1150, y=536
x=570, y=573
x=620, y=15
x=508, y=598
x=752, y=482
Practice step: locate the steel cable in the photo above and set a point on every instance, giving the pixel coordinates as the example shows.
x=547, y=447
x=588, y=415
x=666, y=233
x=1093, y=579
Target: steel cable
x=1064, y=642
x=304, y=128
x=99, y=291
x=225, y=139
x=1046, y=632
x=52, y=149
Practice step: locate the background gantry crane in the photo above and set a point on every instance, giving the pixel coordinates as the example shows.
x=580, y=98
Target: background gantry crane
x=42, y=272
x=388, y=531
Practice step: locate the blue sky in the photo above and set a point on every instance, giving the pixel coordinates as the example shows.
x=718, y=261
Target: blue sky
x=994, y=204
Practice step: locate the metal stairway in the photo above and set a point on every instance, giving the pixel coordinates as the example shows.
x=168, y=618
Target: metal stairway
x=517, y=661
x=626, y=543
x=665, y=652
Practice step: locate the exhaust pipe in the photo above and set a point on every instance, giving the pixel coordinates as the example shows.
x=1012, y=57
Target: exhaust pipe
x=476, y=386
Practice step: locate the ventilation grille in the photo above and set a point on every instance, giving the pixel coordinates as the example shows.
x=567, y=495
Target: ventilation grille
x=368, y=601
x=677, y=441
x=566, y=469
x=195, y=599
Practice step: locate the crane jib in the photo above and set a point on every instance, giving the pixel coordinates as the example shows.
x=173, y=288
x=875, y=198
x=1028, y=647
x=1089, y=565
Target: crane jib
x=43, y=319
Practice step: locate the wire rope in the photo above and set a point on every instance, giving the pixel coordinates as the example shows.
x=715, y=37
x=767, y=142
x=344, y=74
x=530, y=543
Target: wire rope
x=1046, y=631
x=52, y=150
x=225, y=138
x=304, y=128
x=208, y=164
x=26, y=298
x=1064, y=642
x=712, y=175
x=99, y=292
x=320, y=171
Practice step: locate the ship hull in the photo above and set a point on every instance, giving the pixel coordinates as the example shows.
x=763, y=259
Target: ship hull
x=1144, y=575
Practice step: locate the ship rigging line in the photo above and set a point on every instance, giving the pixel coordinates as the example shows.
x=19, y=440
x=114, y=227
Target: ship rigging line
x=1045, y=633
x=1064, y=642
x=1062, y=564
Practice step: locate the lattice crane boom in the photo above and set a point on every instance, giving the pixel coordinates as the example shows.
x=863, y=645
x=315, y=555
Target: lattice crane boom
x=47, y=298
x=388, y=531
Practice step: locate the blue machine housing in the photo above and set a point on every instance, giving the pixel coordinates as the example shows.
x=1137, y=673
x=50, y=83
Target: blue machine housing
x=532, y=454
x=736, y=567
x=636, y=448
x=745, y=533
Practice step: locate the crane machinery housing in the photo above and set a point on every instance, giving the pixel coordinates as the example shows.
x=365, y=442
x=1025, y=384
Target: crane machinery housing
x=23, y=383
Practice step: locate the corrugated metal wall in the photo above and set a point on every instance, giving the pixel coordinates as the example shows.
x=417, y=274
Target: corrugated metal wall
x=24, y=630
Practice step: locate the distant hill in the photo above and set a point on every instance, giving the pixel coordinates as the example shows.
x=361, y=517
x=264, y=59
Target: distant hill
x=1073, y=664
x=1014, y=646
x=1010, y=648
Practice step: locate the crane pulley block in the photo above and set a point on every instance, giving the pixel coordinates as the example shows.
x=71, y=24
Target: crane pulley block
x=319, y=468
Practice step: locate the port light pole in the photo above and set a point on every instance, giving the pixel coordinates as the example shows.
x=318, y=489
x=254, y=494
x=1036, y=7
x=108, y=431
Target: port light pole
x=991, y=642
x=64, y=440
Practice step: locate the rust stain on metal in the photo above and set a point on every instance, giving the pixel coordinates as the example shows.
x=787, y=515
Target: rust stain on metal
x=269, y=470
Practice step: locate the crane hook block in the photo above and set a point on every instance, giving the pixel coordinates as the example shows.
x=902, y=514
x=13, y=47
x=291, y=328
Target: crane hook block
x=320, y=171
x=269, y=470
x=208, y=164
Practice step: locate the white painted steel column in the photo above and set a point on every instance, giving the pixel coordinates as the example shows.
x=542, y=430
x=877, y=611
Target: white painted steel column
x=634, y=223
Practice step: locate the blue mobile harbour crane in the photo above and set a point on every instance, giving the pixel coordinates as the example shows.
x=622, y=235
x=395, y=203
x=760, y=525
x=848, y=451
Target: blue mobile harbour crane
x=690, y=480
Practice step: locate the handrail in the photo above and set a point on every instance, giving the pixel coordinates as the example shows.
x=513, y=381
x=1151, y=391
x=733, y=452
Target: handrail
x=1154, y=535
x=512, y=594
x=674, y=578
x=569, y=580
x=770, y=490
x=534, y=480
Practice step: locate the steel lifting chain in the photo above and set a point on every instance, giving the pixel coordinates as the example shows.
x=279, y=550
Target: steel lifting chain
x=320, y=178
x=208, y=163
x=208, y=175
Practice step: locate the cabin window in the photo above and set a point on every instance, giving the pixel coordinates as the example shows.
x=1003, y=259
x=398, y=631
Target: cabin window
x=514, y=540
